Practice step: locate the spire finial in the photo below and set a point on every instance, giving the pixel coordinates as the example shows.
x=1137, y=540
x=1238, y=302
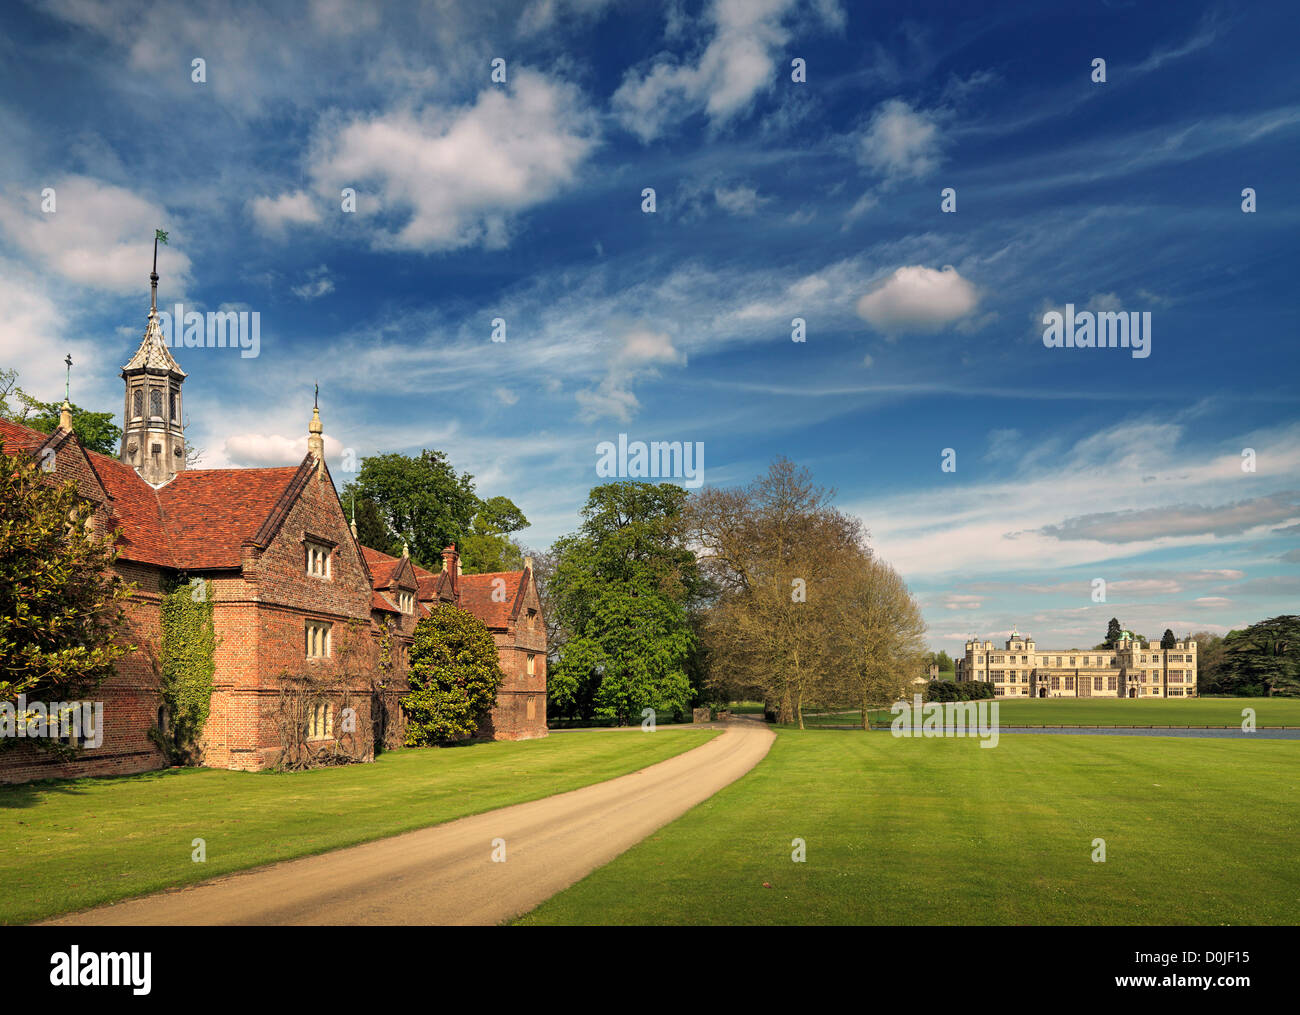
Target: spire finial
x=67, y=384
x=315, y=437
x=316, y=399
x=158, y=237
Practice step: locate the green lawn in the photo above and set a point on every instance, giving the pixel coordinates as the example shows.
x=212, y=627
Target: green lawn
x=942, y=831
x=1112, y=712
x=78, y=843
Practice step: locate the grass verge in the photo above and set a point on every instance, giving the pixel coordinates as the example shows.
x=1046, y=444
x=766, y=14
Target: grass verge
x=67, y=845
x=942, y=831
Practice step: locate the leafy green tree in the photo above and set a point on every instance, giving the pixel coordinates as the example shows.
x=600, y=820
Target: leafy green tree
x=1263, y=659
x=420, y=501
x=60, y=599
x=8, y=389
x=371, y=530
x=1210, y=672
x=95, y=430
x=454, y=673
x=622, y=591
x=487, y=547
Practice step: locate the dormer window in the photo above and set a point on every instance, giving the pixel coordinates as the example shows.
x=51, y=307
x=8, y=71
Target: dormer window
x=318, y=560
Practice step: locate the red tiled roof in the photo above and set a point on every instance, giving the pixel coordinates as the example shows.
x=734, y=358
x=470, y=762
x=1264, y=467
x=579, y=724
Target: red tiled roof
x=133, y=505
x=379, y=602
x=135, y=510
x=476, y=596
x=384, y=568
x=16, y=436
x=429, y=584
x=209, y=514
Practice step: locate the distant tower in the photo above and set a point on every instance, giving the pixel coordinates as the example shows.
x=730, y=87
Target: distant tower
x=153, y=434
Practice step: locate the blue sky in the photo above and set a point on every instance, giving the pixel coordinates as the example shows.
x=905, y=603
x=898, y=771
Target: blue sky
x=775, y=199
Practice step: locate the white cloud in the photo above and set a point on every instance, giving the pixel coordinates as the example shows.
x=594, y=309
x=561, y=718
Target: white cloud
x=442, y=179
x=274, y=214
x=900, y=141
x=739, y=200
x=255, y=450
x=1179, y=520
x=996, y=526
x=917, y=298
x=318, y=284
x=100, y=235
x=639, y=352
x=739, y=62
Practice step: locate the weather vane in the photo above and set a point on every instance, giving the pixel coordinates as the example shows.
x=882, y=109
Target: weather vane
x=67, y=384
x=315, y=404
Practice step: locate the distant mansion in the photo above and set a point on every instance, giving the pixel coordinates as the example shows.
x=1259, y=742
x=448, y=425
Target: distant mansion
x=1132, y=669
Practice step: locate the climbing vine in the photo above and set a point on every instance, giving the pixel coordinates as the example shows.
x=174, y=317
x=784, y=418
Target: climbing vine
x=316, y=716
x=187, y=667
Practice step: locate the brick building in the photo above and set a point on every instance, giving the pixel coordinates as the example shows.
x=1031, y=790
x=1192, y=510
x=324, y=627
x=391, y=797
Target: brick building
x=293, y=591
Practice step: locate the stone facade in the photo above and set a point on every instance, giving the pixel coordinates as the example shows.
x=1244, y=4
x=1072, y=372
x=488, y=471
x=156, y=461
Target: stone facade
x=1132, y=669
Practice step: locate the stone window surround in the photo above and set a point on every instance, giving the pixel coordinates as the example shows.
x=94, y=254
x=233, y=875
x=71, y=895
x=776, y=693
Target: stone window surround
x=326, y=547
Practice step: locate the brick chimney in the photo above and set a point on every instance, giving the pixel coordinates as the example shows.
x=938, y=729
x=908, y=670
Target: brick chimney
x=451, y=564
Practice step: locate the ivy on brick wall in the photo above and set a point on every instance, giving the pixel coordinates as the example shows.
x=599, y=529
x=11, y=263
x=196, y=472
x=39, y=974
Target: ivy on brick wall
x=187, y=664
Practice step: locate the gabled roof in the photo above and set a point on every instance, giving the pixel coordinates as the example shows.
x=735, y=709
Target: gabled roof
x=210, y=514
x=476, y=596
x=386, y=570
x=132, y=506
x=430, y=585
x=135, y=510
x=153, y=353
x=378, y=601
x=18, y=437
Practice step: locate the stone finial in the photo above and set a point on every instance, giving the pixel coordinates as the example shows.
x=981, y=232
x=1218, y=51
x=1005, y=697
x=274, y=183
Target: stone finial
x=65, y=417
x=528, y=563
x=316, y=440
x=406, y=551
